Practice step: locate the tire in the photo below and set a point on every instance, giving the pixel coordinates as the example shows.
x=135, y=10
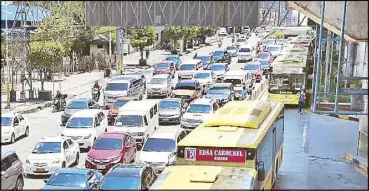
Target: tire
x=12, y=138
x=54, y=108
x=77, y=159
x=19, y=184
x=64, y=165
x=106, y=130
x=26, y=133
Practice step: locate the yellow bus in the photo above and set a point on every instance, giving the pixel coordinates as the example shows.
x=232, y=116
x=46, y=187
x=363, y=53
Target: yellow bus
x=241, y=136
x=288, y=77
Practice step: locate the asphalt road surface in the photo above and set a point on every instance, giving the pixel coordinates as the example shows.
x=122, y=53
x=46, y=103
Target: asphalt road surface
x=312, y=149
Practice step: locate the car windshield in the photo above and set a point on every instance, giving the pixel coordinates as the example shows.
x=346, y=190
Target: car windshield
x=251, y=67
x=218, y=67
x=219, y=53
x=235, y=82
x=169, y=105
x=198, y=108
x=241, y=40
x=67, y=179
x=120, y=182
x=231, y=48
x=203, y=58
x=185, y=86
x=6, y=121
x=218, y=90
x=272, y=48
x=244, y=50
x=108, y=144
x=158, y=81
x=202, y=75
x=120, y=103
x=162, y=65
x=159, y=145
x=263, y=55
x=187, y=67
x=80, y=122
x=129, y=121
x=116, y=87
x=47, y=147
x=77, y=105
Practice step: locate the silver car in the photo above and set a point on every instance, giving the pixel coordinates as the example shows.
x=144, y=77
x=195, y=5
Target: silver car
x=171, y=110
x=12, y=174
x=160, y=85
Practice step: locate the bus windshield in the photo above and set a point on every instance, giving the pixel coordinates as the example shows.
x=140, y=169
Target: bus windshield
x=286, y=83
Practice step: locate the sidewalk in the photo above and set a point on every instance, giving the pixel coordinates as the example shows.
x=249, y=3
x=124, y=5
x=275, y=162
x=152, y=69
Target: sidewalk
x=77, y=84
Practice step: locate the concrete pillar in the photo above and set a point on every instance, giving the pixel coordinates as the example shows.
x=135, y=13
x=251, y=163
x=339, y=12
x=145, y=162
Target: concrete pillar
x=363, y=120
x=348, y=67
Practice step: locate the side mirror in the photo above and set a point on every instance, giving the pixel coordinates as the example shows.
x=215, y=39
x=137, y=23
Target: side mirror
x=16, y=124
x=45, y=180
x=261, y=171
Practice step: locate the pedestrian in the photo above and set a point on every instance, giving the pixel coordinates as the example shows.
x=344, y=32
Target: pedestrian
x=147, y=53
x=244, y=93
x=301, y=101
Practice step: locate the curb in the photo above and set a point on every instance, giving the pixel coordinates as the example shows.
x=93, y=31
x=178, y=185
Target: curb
x=345, y=117
x=359, y=161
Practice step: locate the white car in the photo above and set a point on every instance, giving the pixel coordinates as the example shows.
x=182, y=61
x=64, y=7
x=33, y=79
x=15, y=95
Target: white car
x=159, y=85
x=206, y=78
x=13, y=126
x=244, y=54
x=197, y=112
x=85, y=126
x=160, y=149
x=232, y=50
x=241, y=42
x=188, y=68
x=50, y=154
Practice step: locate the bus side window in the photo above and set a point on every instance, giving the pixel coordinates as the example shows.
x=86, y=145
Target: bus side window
x=145, y=120
x=151, y=112
x=155, y=109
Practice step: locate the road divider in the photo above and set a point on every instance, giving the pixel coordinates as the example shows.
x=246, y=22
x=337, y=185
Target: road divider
x=259, y=90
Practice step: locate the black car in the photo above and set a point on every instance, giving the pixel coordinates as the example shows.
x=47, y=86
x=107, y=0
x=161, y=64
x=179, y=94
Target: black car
x=77, y=105
x=222, y=56
x=128, y=177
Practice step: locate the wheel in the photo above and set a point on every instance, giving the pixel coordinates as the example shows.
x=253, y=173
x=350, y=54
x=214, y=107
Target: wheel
x=106, y=130
x=64, y=165
x=77, y=159
x=12, y=138
x=26, y=133
x=19, y=184
x=54, y=108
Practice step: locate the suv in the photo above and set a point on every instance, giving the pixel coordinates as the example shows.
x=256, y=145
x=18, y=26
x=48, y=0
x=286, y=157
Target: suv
x=133, y=87
x=222, y=56
x=77, y=105
x=197, y=112
x=12, y=174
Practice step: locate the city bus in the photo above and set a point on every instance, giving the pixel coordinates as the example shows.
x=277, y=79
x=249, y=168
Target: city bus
x=242, y=140
x=287, y=78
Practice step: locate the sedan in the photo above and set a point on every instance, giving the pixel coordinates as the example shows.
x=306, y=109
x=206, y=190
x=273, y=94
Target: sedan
x=207, y=60
x=170, y=110
x=187, y=90
x=205, y=78
x=50, y=154
x=222, y=56
x=13, y=126
x=165, y=67
x=255, y=68
x=219, y=69
x=78, y=105
x=176, y=60
x=128, y=177
x=159, y=86
x=73, y=179
x=223, y=92
x=232, y=50
x=109, y=149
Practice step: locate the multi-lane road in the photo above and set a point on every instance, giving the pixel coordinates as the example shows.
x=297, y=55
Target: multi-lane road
x=306, y=163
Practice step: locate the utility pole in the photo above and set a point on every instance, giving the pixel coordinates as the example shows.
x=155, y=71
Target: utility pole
x=110, y=48
x=7, y=59
x=120, y=40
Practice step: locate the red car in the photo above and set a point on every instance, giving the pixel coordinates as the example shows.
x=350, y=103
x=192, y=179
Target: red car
x=255, y=68
x=109, y=149
x=165, y=67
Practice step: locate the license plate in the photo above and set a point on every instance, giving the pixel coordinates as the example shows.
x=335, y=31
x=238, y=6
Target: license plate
x=101, y=167
x=165, y=119
x=40, y=170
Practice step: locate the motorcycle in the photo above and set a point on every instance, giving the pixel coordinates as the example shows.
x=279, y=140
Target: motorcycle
x=95, y=94
x=59, y=104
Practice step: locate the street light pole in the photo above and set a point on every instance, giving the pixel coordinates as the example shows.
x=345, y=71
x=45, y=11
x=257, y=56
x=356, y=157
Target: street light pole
x=6, y=57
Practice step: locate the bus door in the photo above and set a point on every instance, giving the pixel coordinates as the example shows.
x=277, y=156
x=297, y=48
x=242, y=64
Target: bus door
x=274, y=169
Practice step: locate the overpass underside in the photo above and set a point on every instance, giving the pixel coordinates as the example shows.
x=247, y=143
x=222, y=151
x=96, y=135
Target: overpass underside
x=349, y=56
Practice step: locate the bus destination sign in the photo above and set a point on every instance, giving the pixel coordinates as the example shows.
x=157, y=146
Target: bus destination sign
x=215, y=154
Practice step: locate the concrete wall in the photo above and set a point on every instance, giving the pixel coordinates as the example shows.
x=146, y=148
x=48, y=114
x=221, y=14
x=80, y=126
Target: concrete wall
x=363, y=121
x=356, y=28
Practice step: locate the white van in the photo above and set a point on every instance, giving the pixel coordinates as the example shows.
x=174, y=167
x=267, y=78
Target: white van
x=244, y=53
x=85, y=126
x=188, y=68
x=139, y=118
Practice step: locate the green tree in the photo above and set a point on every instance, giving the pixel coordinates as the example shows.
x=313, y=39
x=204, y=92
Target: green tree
x=190, y=33
x=44, y=55
x=140, y=37
x=174, y=33
x=204, y=32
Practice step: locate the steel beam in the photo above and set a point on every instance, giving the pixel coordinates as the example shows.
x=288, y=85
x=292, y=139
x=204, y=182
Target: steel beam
x=331, y=39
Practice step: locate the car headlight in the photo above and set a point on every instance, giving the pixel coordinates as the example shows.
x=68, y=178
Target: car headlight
x=88, y=136
x=140, y=134
x=115, y=159
x=89, y=158
x=56, y=161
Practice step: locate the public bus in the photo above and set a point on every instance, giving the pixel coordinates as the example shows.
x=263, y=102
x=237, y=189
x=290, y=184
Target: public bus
x=287, y=78
x=242, y=140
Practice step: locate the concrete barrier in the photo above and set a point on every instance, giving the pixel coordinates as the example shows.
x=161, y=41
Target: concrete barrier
x=259, y=90
x=361, y=162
